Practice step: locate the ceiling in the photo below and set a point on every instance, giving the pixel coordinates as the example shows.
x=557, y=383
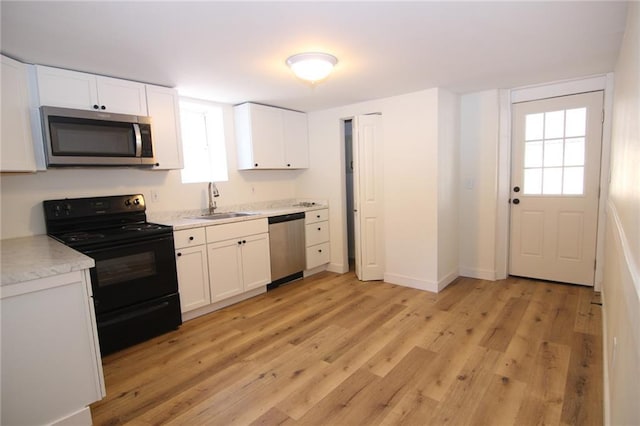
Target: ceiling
x=233, y=52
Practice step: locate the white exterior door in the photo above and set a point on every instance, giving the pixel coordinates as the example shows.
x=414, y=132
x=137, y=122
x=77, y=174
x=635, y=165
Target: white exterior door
x=367, y=172
x=555, y=188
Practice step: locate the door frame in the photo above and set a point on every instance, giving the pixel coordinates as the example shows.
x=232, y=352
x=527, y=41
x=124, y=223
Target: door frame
x=537, y=92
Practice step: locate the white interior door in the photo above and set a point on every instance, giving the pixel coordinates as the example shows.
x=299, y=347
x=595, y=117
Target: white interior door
x=555, y=187
x=367, y=185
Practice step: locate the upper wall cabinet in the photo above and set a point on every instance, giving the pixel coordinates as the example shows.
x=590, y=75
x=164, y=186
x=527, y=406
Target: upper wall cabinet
x=17, y=147
x=164, y=110
x=72, y=89
x=271, y=138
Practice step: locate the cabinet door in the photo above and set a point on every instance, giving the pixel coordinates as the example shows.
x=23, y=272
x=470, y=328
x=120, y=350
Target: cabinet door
x=121, y=96
x=296, y=140
x=225, y=269
x=17, y=146
x=259, y=137
x=68, y=89
x=193, y=277
x=164, y=110
x=256, y=263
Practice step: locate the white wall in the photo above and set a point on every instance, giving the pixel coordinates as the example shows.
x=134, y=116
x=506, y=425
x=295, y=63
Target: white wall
x=621, y=286
x=479, y=127
x=21, y=195
x=448, y=188
x=411, y=143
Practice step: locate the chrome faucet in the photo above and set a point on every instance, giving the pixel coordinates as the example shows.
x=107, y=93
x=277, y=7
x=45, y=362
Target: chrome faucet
x=213, y=192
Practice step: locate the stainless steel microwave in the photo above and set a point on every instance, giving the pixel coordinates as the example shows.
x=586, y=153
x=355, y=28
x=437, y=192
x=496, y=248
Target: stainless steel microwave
x=75, y=137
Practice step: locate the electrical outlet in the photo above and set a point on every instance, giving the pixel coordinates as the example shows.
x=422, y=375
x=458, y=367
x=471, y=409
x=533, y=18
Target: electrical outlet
x=154, y=196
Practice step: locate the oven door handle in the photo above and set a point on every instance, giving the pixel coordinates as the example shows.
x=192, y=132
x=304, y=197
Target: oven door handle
x=134, y=314
x=136, y=129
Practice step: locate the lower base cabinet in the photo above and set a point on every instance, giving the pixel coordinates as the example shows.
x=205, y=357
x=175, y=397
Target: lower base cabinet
x=51, y=366
x=238, y=265
x=220, y=262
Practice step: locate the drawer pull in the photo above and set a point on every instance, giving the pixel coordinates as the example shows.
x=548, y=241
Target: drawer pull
x=179, y=254
x=319, y=250
x=190, y=238
x=319, y=229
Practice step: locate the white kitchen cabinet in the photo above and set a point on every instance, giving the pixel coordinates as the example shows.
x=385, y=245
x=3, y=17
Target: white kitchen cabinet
x=271, y=138
x=193, y=269
x=164, y=109
x=317, y=238
x=51, y=366
x=238, y=255
x=17, y=153
x=72, y=89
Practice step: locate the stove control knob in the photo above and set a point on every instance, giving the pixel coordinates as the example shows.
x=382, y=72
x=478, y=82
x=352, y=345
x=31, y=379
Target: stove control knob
x=57, y=210
x=127, y=203
x=136, y=201
x=67, y=209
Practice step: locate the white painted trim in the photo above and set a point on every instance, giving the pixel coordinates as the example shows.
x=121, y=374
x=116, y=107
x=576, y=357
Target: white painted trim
x=605, y=178
x=605, y=365
x=186, y=316
x=623, y=242
x=558, y=88
x=406, y=281
x=448, y=279
x=316, y=270
x=504, y=186
x=481, y=274
x=338, y=268
x=81, y=417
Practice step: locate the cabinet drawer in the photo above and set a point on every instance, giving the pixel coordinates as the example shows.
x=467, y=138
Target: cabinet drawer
x=316, y=233
x=317, y=255
x=189, y=237
x=316, y=216
x=237, y=229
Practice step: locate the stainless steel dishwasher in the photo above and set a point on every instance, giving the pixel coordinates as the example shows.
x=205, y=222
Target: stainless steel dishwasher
x=286, y=243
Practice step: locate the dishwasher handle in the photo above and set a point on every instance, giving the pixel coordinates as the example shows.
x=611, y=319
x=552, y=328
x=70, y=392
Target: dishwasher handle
x=286, y=217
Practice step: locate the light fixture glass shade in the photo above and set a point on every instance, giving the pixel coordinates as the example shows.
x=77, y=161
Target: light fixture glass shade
x=312, y=66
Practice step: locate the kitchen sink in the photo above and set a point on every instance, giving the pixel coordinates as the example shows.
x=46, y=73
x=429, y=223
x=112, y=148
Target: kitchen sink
x=216, y=216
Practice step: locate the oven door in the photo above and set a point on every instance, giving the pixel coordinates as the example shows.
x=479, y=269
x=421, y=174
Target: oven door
x=134, y=272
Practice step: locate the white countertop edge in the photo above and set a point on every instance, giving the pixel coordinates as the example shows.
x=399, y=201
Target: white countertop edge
x=190, y=222
x=39, y=256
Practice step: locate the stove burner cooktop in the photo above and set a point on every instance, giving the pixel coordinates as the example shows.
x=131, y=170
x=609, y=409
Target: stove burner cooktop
x=74, y=237
x=141, y=227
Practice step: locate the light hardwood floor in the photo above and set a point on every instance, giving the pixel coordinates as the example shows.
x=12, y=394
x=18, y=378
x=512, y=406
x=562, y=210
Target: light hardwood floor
x=330, y=350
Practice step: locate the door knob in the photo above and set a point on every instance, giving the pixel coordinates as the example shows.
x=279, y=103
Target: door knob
x=516, y=201
x=516, y=189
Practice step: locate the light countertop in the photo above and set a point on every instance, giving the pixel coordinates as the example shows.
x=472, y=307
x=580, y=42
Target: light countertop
x=191, y=221
x=30, y=258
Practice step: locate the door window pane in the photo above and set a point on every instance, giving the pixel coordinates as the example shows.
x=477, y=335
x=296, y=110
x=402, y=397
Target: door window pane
x=534, y=126
x=574, y=152
x=553, y=153
x=576, y=124
x=533, y=154
x=552, y=181
x=533, y=181
x=573, y=181
x=554, y=124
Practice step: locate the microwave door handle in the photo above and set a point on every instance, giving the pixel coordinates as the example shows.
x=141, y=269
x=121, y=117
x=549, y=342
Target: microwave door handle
x=136, y=129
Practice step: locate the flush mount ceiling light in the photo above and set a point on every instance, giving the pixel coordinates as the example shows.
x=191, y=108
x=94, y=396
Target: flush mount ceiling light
x=312, y=66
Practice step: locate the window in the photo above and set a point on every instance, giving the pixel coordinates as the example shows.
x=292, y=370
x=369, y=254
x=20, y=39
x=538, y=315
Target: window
x=203, y=142
x=554, y=152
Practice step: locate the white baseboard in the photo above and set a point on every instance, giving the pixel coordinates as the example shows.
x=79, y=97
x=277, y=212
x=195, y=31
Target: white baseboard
x=186, y=316
x=338, y=268
x=79, y=418
x=406, y=281
x=448, y=279
x=481, y=274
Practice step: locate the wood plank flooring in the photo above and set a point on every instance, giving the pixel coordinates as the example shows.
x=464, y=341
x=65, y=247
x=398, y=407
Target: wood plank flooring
x=330, y=350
